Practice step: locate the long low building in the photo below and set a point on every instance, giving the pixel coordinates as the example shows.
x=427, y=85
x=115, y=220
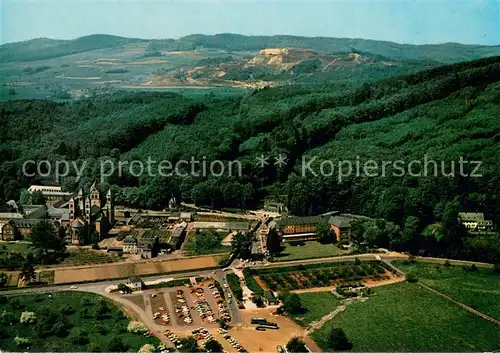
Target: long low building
x=305, y=228
x=223, y=226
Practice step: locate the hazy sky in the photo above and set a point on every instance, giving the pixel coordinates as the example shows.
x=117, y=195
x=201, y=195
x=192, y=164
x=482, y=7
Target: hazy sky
x=410, y=21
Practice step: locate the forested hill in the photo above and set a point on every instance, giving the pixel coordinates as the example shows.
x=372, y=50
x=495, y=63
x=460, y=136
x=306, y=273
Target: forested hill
x=45, y=48
x=445, y=113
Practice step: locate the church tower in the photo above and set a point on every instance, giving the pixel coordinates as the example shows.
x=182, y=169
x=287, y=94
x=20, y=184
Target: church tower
x=72, y=209
x=87, y=209
x=95, y=198
x=81, y=204
x=110, y=207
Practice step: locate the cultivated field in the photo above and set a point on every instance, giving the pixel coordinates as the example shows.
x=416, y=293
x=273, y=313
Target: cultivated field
x=405, y=317
x=321, y=275
x=478, y=289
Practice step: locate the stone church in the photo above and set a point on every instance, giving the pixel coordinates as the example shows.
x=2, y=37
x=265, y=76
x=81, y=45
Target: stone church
x=91, y=216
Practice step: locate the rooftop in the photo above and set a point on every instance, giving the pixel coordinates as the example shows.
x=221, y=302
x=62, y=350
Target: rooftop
x=471, y=216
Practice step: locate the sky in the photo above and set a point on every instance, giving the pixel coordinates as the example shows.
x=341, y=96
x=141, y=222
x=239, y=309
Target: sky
x=410, y=21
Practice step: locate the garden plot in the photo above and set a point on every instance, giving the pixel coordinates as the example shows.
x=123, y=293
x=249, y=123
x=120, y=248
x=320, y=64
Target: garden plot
x=321, y=275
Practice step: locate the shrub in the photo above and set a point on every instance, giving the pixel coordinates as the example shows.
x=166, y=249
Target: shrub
x=3, y=279
x=78, y=337
x=412, y=277
x=27, y=317
x=93, y=347
x=7, y=318
x=147, y=348
x=21, y=341
x=136, y=327
x=496, y=268
x=296, y=345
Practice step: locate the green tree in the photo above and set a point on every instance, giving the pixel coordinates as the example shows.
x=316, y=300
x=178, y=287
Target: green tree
x=37, y=198
x=3, y=279
x=323, y=232
x=28, y=273
x=7, y=318
x=47, y=238
x=337, y=340
x=411, y=229
x=372, y=235
x=214, y=346
x=93, y=347
x=273, y=242
x=189, y=344
x=223, y=323
x=25, y=198
x=116, y=344
x=296, y=345
x=242, y=245
x=51, y=322
x=293, y=304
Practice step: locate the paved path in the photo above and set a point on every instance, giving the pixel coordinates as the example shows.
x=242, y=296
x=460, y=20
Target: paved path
x=316, y=325
x=466, y=307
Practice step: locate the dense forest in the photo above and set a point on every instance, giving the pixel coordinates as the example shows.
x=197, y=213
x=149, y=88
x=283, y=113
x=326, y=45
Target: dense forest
x=443, y=113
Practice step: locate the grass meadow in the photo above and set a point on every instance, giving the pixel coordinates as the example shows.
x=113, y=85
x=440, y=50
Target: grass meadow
x=308, y=250
x=478, y=289
x=405, y=317
x=316, y=305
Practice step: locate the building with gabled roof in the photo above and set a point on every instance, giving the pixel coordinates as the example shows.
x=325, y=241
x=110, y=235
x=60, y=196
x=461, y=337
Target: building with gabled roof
x=475, y=221
x=304, y=228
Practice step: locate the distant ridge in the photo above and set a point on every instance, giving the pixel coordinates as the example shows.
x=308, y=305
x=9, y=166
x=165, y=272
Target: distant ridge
x=44, y=48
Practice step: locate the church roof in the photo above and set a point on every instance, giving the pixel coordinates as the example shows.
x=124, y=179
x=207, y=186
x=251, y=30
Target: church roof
x=77, y=223
x=94, y=210
x=339, y=222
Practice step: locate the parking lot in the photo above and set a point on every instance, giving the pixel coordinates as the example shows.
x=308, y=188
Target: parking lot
x=159, y=309
x=183, y=307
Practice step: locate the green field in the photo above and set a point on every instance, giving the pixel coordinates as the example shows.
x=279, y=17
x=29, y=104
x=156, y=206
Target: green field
x=67, y=321
x=479, y=289
x=309, y=250
x=405, y=317
x=22, y=248
x=316, y=306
